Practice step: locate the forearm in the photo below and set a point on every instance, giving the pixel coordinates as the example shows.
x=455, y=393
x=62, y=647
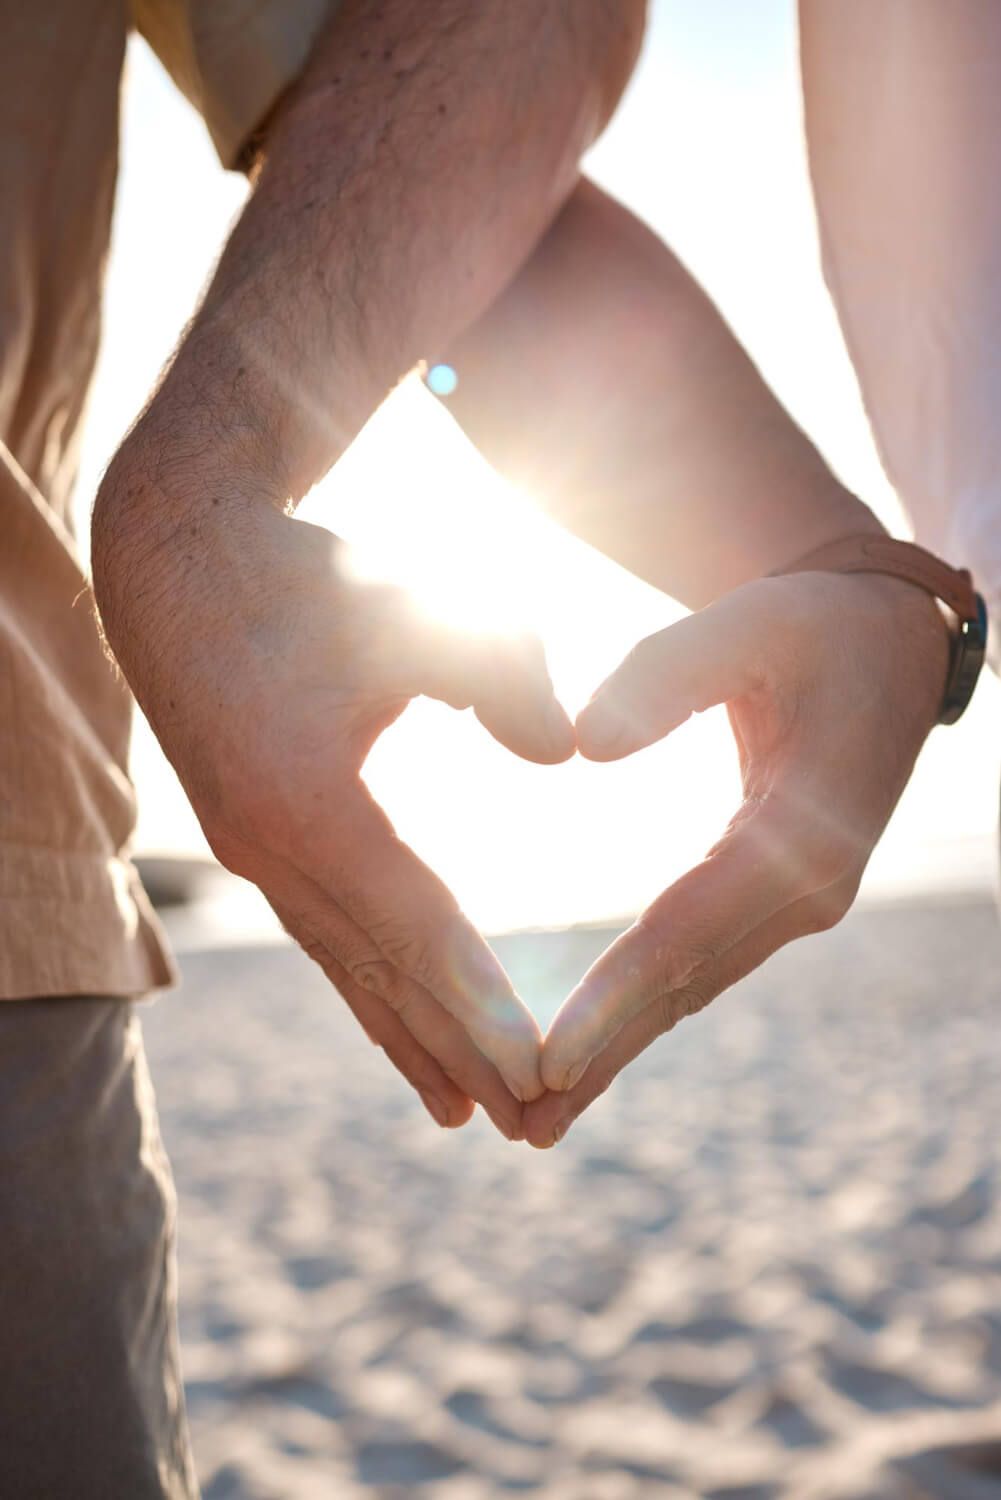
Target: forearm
x=407, y=176
x=605, y=382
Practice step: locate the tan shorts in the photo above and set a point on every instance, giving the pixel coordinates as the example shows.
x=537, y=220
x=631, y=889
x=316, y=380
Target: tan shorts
x=91, y=1403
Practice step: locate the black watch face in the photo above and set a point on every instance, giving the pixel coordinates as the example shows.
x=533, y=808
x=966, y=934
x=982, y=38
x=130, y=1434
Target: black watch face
x=968, y=654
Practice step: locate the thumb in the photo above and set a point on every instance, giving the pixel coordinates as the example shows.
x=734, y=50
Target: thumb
x=506, y=680
x=709, y=657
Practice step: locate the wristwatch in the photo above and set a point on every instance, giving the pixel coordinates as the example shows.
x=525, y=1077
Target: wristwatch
x=873, y=553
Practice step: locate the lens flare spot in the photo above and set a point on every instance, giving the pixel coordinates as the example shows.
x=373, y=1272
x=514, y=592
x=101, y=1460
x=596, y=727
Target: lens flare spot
x=441, y=380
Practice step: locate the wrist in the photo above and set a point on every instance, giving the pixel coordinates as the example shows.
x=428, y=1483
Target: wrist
x=785, y=511
x=922, y=634
x=817, y=515
x=932, y=589
x=160, y=524
x=234, y=418
x=219, y=426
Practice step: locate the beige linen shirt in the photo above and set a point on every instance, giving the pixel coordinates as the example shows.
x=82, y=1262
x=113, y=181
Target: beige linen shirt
x=73, y=916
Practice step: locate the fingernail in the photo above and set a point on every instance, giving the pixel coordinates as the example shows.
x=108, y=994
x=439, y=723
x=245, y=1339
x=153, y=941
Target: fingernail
x=574, y=1075
x=561, y=1127
x=514, y=1085
x=502, y=1125
x=435, y=1108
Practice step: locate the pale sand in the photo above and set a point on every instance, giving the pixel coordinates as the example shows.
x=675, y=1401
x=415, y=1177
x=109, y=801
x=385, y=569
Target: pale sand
x=768, y=1264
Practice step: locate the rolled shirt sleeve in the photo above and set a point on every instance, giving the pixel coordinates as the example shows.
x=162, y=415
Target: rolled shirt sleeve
x=232, y=59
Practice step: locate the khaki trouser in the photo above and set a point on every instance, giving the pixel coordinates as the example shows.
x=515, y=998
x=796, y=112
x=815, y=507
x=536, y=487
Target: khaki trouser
x=91, y=1403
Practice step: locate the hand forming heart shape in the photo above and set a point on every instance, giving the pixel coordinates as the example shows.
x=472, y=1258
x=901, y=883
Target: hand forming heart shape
x=267, y=672
x=786, y=655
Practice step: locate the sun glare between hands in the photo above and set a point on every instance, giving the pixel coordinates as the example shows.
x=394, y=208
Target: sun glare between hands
x=421, y=510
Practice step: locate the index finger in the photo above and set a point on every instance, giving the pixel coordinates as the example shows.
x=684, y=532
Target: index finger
x=549, y=1118
x=416, y=924
x=770, y=856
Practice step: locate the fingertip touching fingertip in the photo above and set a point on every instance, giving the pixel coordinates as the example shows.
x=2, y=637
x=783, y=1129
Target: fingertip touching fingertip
x=567, y=751
x=546, y=755
x=601, y=736
x=524, y=1088
x=548, y=744
x=561, y=1069
x=560, y=732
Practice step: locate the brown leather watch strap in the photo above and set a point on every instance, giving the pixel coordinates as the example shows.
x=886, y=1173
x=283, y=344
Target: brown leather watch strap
x=872, y=553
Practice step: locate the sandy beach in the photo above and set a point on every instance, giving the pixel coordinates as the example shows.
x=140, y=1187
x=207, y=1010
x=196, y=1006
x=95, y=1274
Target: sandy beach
x=767, y=1266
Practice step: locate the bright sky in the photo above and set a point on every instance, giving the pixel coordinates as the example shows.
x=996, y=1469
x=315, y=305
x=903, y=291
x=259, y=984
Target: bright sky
x=707, y=147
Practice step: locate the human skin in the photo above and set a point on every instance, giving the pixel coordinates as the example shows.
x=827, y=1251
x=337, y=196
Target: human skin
x=605, y=382
x=407, y=175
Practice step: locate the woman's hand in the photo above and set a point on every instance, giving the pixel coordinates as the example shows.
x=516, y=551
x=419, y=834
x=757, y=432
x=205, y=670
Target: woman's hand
x=832, y=684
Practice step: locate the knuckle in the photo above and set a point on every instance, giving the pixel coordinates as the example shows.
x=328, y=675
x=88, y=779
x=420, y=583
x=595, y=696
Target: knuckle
x=312, y=947
x=400, y=1001
x=669, y=964
x=376, y=975
x=667, y=1016
x=404, y=950
x=676, y=1006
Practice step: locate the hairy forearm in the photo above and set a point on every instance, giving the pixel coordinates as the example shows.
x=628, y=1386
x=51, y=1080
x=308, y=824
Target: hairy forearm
x=407, y=175
x=606, y=383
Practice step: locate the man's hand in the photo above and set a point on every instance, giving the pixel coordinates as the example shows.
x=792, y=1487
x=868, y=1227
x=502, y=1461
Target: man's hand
x=267, y=672
x=407, y=174
x=832, y=684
